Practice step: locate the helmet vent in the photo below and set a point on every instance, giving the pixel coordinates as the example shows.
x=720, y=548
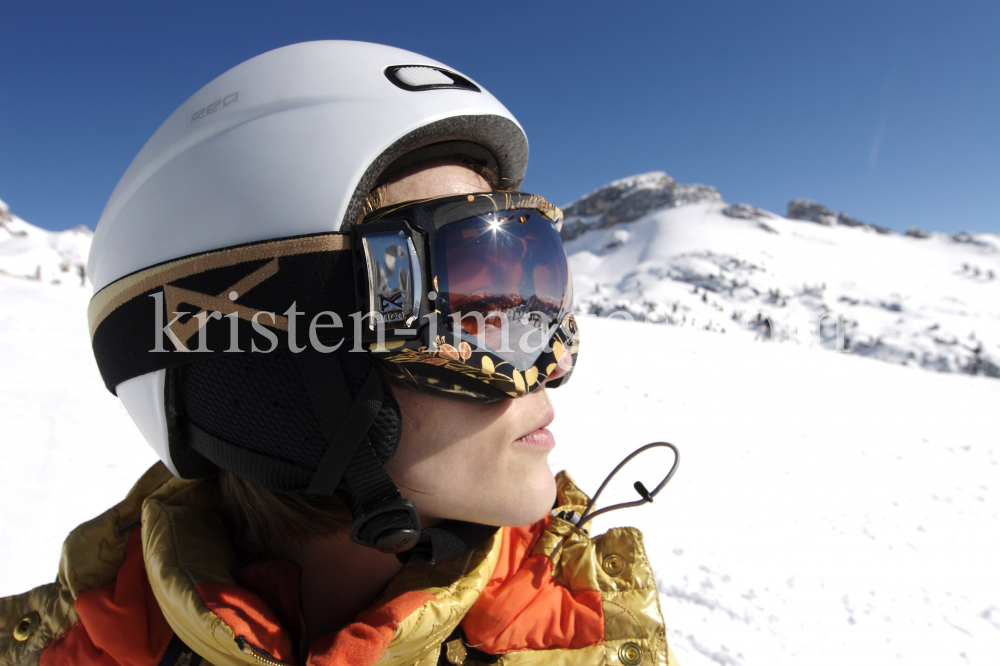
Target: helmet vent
x=423, y=77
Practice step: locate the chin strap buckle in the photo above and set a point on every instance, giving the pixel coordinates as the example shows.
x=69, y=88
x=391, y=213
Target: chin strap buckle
x=390, y=526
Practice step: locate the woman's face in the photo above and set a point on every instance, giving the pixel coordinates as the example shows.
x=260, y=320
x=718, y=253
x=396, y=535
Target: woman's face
x=482, y=463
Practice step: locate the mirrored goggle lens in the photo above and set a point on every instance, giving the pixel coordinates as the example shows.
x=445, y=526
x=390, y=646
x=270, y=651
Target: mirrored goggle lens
x=503, y=282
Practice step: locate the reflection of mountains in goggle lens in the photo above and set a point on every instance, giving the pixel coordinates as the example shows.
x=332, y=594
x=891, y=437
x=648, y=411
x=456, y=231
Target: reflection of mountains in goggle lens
x=509, y=263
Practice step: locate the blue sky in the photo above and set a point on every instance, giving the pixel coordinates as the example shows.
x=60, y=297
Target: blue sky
x=889, y=111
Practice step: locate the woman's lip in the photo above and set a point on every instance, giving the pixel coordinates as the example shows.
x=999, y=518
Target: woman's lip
x=539, y=440
x=547, y=418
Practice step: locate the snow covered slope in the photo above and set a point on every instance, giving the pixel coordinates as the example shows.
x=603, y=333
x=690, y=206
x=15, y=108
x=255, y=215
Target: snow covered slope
x=68, y=448
x=661, y=252
x=827, y=509
x=46, y=256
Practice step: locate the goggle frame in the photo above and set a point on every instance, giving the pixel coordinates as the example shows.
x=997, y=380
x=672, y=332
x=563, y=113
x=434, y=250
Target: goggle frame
x=395, y=274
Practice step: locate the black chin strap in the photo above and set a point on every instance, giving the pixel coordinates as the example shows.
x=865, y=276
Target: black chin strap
x=382, y=519
x=446, y=540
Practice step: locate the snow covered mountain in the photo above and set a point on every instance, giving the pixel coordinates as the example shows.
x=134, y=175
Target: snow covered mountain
x=826, y=510
x=650, y=249
x=55, y=257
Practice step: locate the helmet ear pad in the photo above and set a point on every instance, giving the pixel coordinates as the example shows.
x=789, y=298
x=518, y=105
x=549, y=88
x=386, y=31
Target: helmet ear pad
x=251, y=414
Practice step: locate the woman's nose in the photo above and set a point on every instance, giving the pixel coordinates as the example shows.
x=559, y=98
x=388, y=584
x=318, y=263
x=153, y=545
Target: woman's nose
x=563, y=367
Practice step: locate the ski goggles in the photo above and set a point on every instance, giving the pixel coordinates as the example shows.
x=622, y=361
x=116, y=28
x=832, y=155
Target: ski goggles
x=470, y=295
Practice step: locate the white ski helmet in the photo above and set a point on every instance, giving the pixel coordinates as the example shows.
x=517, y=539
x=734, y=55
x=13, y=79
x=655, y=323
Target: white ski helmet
x=286, y=144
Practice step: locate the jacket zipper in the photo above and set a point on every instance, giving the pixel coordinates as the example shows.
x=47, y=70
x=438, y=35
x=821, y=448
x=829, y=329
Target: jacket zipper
x=257, y=653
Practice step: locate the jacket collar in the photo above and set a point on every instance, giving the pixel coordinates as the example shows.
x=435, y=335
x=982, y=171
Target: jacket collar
x=189, y=561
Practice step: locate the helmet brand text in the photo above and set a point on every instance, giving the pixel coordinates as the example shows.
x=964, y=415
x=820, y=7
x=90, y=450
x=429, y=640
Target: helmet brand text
x=231, y=98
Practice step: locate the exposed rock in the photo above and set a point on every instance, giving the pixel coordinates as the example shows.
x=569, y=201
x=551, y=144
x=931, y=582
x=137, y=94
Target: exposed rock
x=917, y=233
x=744, y=211
x=848, y=221
x=633, y=205
x=741, y=211
x=972, y=239
x=600, y=200
x=629, y=199
x=685, y=195
x=810, y=211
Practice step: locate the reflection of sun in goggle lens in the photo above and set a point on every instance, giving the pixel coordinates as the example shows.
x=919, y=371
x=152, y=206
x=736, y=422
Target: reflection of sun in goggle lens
x=508, y=266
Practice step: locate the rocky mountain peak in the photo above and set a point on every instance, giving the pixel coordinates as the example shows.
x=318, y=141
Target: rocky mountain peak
x=27, y=251
x=5, y=216
x=810, y=211
x=629, y=199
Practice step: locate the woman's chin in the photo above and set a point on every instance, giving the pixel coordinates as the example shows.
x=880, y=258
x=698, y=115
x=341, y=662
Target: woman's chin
x=518, y=505
x=528, y=505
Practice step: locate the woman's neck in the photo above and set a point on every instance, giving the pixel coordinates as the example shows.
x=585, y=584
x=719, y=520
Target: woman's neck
x=339, y=580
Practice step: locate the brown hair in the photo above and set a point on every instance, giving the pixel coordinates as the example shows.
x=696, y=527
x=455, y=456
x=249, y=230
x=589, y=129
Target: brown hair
x=271, y=521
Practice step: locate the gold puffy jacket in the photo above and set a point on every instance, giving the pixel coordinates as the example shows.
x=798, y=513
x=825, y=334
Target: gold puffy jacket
x=167, y=595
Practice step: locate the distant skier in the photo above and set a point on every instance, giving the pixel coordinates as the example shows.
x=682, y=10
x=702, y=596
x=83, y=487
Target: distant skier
x=762, y=328
x=284, y=278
